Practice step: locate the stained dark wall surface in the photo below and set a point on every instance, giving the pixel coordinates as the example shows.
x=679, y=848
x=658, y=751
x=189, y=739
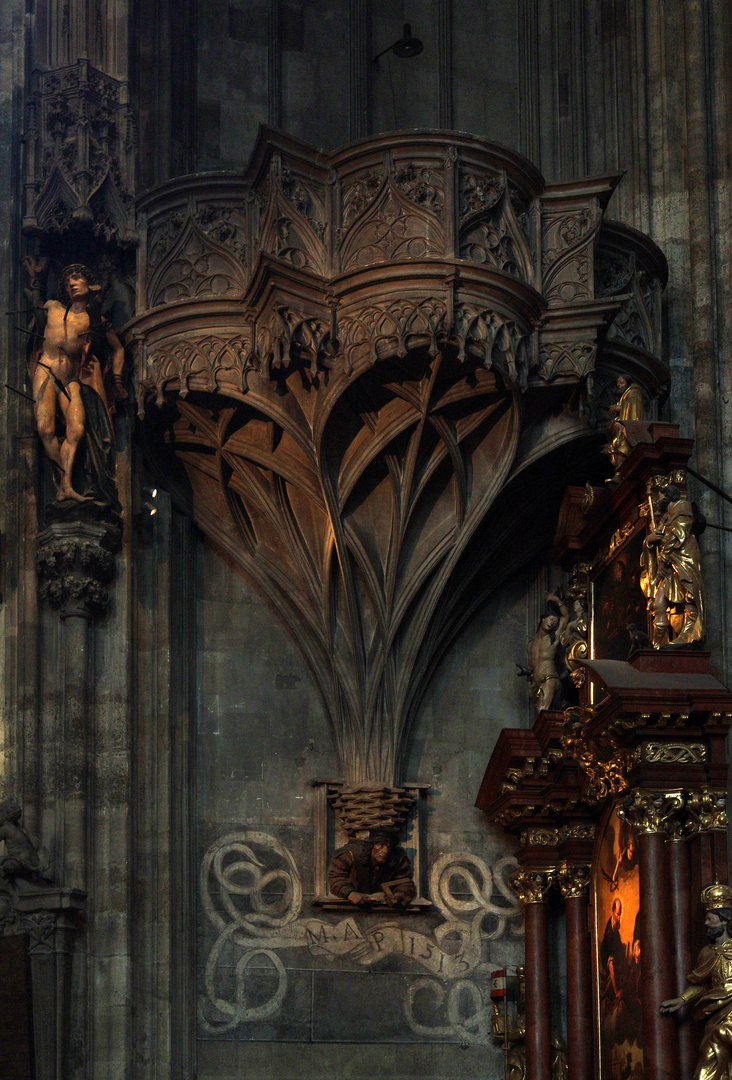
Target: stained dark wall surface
x=274, y=968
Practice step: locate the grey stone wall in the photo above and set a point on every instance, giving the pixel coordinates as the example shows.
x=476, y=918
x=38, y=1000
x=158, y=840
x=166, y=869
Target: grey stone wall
x=342, y=980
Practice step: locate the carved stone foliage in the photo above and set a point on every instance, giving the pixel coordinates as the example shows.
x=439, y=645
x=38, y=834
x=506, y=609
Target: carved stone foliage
x=621, y=273
x=489, y=229
x=293, y=224
x=225, y=225
x=574, y=360
x=371, y=375
x=80, y=153
x=75, y=566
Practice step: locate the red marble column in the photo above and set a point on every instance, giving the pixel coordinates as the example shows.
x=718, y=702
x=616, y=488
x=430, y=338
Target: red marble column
x=538, y=1026
x=660, y=1032
x=574, y=883
x=680, y=885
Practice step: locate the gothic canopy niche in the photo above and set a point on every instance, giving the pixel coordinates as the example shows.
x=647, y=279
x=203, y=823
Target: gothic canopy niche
x=355, y=357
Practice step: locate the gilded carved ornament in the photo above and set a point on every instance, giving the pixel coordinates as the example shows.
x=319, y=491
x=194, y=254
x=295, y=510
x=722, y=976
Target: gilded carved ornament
x=548, y=836
x=656, y=753
x=532, y=886
x=650, y=812
x=573, y=879
x=606, y=767
x=706, y=811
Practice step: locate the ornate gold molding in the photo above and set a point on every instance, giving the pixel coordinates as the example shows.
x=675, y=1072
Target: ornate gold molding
x=675, y=753
x=706, y=811
x=650, y=812
x=546, y=836
x=606, y=767
x=532, y=886
x=573, y=879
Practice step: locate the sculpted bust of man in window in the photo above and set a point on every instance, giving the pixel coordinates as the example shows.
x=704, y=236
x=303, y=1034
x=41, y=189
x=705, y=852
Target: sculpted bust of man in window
x=372, y=872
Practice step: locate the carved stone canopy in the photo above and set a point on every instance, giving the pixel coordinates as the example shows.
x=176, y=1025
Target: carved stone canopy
x=359, y=361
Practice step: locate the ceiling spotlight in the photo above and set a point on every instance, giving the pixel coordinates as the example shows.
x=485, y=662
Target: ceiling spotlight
x=405, y=46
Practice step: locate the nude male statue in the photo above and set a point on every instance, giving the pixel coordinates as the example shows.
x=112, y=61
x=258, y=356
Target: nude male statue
x=65, y=361
x=544, y=679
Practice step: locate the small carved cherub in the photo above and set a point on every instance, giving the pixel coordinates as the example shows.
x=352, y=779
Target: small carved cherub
x=23, y=858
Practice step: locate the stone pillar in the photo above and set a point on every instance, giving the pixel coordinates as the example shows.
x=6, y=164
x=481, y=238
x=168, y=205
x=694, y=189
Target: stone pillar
x=75, y=564
x=649, y=813
x=48, y=919
x=532, y=887
x=574, y=882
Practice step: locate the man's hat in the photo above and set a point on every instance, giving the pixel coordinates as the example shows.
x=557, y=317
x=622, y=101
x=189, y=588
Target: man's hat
x=715, y=897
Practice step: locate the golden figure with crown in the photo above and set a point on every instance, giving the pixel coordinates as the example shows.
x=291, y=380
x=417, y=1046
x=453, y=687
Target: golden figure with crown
x=710, y=991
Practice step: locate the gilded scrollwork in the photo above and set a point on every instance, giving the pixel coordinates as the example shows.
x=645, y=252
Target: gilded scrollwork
x=541, y=836
x=606, y=767
x=573, y=879
x=706, y=811
x=675, y=753
x=532, y=886
x=650, y=812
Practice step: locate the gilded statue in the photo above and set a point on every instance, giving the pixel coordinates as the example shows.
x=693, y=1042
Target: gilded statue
x=68, y=380
x=710, y=992
x=543, y=672
x=672, y=577
x=629, y=407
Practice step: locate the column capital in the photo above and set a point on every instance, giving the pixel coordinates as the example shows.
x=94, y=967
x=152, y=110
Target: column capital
x=573, y=879
x=650, y=812
x=532, y=886
x=706, y=811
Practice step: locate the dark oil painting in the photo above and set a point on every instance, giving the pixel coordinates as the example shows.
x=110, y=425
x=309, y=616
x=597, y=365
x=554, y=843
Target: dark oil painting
x=617, y=600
